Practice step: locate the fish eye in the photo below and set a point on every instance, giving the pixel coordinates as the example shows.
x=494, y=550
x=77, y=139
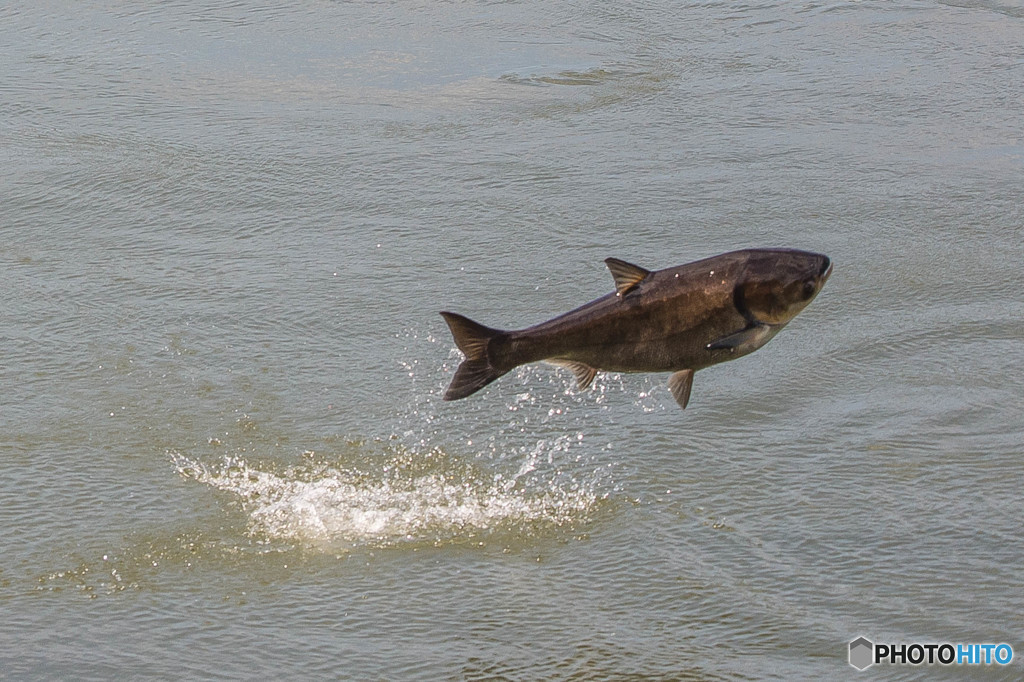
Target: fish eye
x=809, y=289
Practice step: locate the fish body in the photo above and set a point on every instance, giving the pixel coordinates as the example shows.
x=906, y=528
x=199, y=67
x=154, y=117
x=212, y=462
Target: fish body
x=677, y=320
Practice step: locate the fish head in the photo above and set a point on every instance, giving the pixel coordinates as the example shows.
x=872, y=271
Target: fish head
x=778, y=283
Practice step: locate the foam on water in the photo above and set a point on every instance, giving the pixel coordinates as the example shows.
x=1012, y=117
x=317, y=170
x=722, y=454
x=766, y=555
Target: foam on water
x=479, y=473
x=405, y=496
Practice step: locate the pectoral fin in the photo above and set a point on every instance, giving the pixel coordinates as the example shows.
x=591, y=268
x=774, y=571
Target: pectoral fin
x=626, y=275
x=584, y=373
x=745, y=340
x=680, y=384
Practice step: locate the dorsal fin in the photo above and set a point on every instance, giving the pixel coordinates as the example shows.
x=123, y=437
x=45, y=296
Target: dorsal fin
x=626, y=275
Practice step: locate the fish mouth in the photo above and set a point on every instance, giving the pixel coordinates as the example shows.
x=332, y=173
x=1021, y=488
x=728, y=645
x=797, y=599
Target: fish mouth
x=826, y=270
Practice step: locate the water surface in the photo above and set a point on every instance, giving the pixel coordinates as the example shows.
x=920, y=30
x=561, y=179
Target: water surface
x=227, y=231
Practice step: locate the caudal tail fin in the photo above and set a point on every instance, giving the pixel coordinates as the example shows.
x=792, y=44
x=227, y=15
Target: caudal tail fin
x=476, y=370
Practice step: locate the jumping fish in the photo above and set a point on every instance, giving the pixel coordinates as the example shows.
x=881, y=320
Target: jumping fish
x=677, y=320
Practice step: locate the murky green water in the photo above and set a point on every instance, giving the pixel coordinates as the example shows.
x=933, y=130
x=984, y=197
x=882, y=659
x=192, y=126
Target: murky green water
x=226, y=233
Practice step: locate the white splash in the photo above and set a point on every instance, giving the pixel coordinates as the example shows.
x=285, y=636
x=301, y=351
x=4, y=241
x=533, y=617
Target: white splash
x=322, y=503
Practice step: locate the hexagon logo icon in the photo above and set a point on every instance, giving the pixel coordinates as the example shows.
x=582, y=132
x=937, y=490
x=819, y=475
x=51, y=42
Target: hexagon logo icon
x=862, y=653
